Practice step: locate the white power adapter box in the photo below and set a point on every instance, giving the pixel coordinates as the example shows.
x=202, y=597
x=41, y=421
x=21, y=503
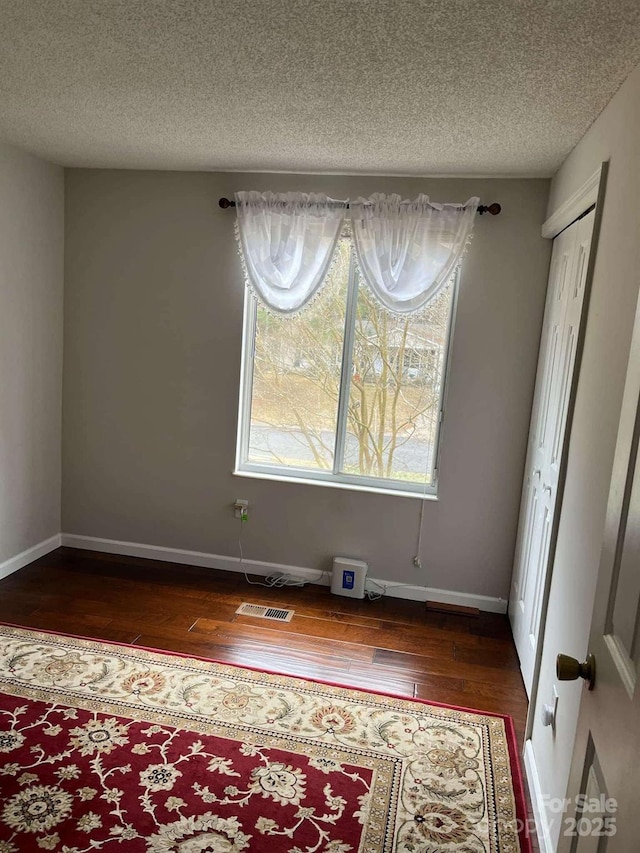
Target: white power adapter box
x=348, y=577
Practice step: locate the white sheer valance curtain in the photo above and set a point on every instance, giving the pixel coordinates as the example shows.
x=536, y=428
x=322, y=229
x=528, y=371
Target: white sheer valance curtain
x=407, y=251
x=287, y=241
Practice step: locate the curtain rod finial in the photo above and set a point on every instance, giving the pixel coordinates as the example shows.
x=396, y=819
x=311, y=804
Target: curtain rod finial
x=494, y=209
x=225, y=203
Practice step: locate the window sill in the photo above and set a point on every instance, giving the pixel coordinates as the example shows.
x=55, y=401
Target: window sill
x=335, y=484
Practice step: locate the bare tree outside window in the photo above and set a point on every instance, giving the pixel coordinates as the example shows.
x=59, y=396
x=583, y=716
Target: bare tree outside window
x=395, y=367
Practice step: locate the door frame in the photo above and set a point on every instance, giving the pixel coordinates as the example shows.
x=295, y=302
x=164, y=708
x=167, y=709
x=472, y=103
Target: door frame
x=590, y=195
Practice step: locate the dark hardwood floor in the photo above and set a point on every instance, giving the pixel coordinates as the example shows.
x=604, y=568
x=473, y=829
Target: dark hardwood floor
x=390, y=645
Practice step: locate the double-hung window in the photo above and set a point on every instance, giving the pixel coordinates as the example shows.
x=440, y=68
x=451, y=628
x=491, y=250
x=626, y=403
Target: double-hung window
x=344, y=392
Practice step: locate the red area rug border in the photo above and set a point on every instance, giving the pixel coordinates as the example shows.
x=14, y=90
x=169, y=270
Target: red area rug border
x=512, y=741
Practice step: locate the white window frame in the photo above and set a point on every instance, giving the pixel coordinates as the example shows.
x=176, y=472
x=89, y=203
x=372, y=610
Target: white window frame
x=334, y=478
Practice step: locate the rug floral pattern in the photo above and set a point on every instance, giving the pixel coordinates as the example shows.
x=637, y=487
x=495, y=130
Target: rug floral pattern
x=106, y=747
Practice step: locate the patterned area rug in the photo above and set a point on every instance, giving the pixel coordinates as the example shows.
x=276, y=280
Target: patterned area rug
x=113, y=747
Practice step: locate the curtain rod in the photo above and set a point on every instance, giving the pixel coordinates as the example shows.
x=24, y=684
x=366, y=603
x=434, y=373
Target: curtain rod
x=494, y=209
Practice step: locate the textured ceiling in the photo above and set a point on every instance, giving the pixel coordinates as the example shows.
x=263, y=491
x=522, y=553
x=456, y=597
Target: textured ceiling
x=495, y=87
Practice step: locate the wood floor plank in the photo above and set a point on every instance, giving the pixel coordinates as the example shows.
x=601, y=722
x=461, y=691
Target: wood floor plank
x=81, y=625
x=235, y=631
x=435, y=666
x=394, y=637
x=497, y=657
x=221, y=648
x=284, y=662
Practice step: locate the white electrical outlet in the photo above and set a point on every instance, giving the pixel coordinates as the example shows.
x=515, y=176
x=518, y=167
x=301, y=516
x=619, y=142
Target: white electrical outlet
x=241, y=509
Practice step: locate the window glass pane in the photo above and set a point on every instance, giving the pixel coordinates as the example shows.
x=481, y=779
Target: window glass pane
x=395, y=391
x=296, y=379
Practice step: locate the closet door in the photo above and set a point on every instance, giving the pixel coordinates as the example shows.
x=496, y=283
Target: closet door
x=555, y=379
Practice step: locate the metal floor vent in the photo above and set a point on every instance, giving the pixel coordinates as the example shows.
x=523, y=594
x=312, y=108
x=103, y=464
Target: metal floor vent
x=260, y=612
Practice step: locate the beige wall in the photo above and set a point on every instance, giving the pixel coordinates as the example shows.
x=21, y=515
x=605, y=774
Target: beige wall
x=31, y=289
x=153, y=314
x=615, y=136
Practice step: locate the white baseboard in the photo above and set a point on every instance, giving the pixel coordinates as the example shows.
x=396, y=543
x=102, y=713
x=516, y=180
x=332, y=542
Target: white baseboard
x=412, y=592
x=258, y=567
x=23, y=559
x=537, y=799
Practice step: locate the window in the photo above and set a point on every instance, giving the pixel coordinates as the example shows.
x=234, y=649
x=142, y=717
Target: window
x=344, y=392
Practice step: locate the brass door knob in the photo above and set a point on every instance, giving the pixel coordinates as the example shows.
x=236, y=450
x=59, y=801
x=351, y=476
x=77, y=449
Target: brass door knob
x=569, y=669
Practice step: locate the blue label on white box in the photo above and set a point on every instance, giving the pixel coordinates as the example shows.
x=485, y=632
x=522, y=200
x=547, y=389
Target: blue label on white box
x=348, y=579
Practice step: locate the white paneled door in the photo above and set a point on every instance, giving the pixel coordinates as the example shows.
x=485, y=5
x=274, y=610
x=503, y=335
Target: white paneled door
x=604, y=785
x=554, y=386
